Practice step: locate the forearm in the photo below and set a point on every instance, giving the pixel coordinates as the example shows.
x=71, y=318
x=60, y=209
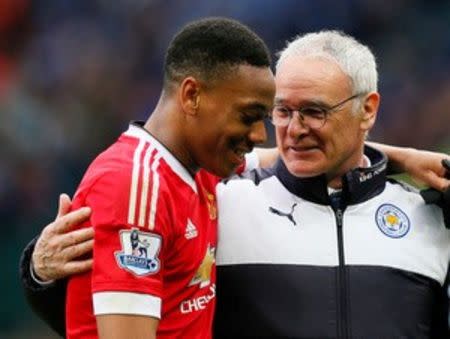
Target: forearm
x=426, y=168
x=397, y=156
x=47, y=301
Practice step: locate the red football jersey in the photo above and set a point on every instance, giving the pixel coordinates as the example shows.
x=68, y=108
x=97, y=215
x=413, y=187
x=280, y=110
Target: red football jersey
x=155, y=240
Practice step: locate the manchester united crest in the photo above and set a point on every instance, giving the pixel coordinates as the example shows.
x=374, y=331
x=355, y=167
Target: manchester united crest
x=212, y=205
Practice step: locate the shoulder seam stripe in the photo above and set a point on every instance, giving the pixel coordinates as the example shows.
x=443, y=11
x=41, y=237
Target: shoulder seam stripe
x=145, y=185
x=155, y=190
x=135, y=181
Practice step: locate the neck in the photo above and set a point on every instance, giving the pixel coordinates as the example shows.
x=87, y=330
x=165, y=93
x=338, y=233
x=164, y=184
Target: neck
x=354, y=161
x=165, y=125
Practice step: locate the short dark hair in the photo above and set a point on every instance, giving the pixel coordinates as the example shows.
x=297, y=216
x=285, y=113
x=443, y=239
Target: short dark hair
x=208, y=47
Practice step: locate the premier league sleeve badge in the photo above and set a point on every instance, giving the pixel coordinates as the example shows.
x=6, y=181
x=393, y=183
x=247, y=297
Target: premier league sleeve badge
x=140, y=250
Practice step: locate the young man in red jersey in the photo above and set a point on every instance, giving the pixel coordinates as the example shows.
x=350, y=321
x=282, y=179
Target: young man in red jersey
x=152, y=199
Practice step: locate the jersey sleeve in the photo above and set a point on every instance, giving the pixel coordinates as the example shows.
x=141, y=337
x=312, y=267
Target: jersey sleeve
x=441, y=199
x=131, y=230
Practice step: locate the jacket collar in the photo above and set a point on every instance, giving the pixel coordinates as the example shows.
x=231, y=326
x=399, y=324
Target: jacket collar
x=359, y=184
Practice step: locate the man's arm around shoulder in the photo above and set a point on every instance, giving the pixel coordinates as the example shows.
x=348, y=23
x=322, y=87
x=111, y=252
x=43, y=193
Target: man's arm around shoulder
x=46, y=300
x=50, y=258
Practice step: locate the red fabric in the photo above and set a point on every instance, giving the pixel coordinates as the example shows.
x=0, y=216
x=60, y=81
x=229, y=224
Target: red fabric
x=187, y=304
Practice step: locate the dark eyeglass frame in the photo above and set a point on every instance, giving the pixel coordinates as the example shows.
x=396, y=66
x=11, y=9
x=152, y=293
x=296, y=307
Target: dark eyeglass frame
x=315, y=121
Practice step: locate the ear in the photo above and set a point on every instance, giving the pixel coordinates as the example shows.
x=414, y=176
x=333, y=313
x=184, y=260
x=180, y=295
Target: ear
x=369, y=110
x=189, y=95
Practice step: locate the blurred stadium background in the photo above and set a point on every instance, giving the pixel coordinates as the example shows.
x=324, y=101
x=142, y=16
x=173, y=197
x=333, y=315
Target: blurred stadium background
x=74, y=72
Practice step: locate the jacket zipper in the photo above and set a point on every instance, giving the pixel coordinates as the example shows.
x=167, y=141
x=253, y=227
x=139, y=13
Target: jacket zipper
x=342, y=279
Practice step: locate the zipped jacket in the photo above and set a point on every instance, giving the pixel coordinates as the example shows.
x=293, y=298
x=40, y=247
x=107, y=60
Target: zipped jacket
x=296, y=260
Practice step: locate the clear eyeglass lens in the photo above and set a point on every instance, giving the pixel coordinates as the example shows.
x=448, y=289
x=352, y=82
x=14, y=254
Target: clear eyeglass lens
x=314, y=118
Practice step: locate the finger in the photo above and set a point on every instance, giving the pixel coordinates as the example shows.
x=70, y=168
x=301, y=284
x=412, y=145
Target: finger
x=64, y=205
x=77, y=267
x=437, y=182
x=74, y=218
x=84, y=248
x=74, y=252
x=76, y=237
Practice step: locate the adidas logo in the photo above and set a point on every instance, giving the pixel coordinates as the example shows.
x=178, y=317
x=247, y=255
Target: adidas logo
x=191, y=230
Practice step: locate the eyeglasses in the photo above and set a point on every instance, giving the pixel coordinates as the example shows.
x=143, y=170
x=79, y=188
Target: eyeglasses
x=313, y=116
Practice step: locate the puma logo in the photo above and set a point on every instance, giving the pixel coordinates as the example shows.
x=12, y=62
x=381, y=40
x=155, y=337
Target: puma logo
x=283, y=214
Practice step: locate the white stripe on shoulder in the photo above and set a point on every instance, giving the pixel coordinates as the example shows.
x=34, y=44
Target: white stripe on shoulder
x=145, y=185
x=135, y=181
x=155, y=191
x=175, y=165
x=126, y=303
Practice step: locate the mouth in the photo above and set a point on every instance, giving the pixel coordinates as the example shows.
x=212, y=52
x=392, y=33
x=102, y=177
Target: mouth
x=241, y=152
x=238, y=153
x=238, y=148
x=303, y=150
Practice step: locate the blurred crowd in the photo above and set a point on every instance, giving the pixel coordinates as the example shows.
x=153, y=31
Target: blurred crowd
x=73, y=73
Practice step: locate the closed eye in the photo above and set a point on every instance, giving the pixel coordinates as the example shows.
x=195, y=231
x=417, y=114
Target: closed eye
x=282, y=111
x=314, y=112
x=249, y=118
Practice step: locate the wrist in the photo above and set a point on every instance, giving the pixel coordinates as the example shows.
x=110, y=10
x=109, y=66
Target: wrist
x=39, y=280
x=28, y=278
x=404, y=162
x=400, y=159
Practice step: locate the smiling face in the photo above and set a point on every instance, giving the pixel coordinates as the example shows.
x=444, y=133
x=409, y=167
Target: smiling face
x=336, y=147
x=229, y=120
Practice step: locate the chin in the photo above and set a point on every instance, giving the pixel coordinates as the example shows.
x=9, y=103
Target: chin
x=303, y=169
x=224, y=171
x=227, y=173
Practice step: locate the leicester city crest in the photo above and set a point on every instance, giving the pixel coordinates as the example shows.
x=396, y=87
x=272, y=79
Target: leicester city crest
x=139, y=254
x=392, y=221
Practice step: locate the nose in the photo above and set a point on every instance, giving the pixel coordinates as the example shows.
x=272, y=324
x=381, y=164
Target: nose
x=296, y=126
x=258, y=134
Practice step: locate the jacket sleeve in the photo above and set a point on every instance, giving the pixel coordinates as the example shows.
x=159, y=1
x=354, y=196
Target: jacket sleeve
x=441, y=199
x=47, y=301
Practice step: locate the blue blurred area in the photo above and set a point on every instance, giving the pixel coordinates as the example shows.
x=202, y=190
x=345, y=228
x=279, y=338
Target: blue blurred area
x=73, y=73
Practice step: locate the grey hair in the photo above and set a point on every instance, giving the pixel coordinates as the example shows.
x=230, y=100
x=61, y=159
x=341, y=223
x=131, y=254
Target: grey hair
x=355, y=59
